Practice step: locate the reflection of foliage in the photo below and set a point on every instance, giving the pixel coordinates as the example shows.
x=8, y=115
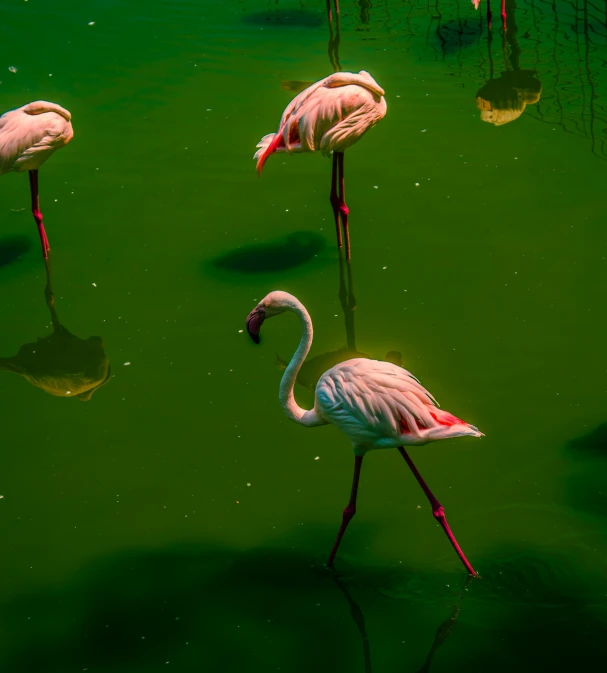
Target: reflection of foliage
x=565, y=42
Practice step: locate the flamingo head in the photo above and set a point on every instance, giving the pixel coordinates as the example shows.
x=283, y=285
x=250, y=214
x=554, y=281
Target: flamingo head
x=272, y=304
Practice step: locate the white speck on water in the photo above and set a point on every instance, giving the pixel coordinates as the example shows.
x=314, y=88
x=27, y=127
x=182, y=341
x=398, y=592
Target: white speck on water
x=126, y=364
x=240, y=331
x=68, y=392
x=384, y=268
x=424, y=130
x=417, y=184
x=375, y=186
x=209, y=109
x=91, y=23
x=248, y=483
x=12, y=68
x=94, y=284
x=317, y=458
x=1, y=496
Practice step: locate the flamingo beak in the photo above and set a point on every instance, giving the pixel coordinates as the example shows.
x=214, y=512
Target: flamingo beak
x=254, y=322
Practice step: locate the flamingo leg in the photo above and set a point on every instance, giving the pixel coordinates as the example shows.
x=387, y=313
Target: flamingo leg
x=438, y=511
x=343, y=208
x=489, y=14
x=504, y=14
x=350, y=510
x=334, y=198
x=37, y=214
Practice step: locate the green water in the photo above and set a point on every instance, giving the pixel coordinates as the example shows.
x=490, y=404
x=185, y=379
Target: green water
x=177, y=520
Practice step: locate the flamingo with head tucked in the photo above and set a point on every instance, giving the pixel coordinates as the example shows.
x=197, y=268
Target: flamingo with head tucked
x=28, y=137
x=377, y=405
x=330, y=116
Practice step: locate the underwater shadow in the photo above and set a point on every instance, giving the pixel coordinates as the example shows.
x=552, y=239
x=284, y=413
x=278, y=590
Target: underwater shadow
x=285, y=18
x=586, y=489
x=295, y=250
x=61, y=364
x=207, y=605
x=13, y=248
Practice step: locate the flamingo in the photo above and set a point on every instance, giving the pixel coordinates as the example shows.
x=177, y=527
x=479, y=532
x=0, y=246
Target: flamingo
x=28, y=137
x=377, y=405
x=330, y=115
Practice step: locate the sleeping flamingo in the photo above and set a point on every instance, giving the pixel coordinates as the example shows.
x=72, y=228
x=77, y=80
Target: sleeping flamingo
x=330, y=115
x=28, y=137
x=376, y=404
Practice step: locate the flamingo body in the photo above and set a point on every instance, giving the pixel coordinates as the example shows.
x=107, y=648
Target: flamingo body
x=328, y=116
x=28, y=137
x=375, y=404
x=30, y=134
x=378, y=405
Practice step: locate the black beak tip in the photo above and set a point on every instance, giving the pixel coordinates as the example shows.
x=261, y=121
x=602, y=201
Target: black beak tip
x=254, y=337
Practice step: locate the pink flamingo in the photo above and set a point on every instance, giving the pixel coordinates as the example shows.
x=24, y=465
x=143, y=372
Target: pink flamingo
x=330, y=115
x=28, y=137
x=476, y=3
x=377, y=405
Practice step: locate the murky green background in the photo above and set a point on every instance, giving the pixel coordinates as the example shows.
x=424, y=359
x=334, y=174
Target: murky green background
x=177, y=520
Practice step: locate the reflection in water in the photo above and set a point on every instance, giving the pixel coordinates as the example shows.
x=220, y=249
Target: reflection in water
x=61, y=364
x=313, y=368
x=503, y=99
x=294, y=250
x=12, y=248
x=444, y=630
x=358, y=618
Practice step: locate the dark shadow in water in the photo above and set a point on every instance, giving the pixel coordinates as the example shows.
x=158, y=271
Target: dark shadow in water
x=297, y=249
x=314, y=367
x=455, y=35
x=220, y=608
x=230, y=610
x=285, y=18
x=586, y=486
x=592, y=445
x=13, y=248
x=61, y=364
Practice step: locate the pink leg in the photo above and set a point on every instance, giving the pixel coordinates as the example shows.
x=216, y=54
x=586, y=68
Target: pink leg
x=37, y=214
x=504, y=14
x=334, y=198
x=437, y=511
x=489, y=13
x=343, y=208
x=350, y=510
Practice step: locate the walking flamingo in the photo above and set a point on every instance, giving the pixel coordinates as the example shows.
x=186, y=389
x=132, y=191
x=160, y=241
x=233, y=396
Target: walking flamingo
x=330, y=115
x=377, y=405
x=28, y=137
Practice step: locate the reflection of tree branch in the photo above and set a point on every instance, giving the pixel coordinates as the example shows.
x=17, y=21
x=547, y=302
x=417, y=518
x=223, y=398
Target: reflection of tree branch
x=334, y=38
x=359, y=620
x=443, y=631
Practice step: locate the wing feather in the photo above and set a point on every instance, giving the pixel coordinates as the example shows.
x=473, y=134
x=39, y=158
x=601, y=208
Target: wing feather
x=379, y=404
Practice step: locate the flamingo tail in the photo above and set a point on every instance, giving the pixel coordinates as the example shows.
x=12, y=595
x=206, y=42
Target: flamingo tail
x=267, y=145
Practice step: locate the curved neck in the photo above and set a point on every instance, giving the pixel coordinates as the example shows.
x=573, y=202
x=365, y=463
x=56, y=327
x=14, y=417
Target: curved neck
x=287, y=383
